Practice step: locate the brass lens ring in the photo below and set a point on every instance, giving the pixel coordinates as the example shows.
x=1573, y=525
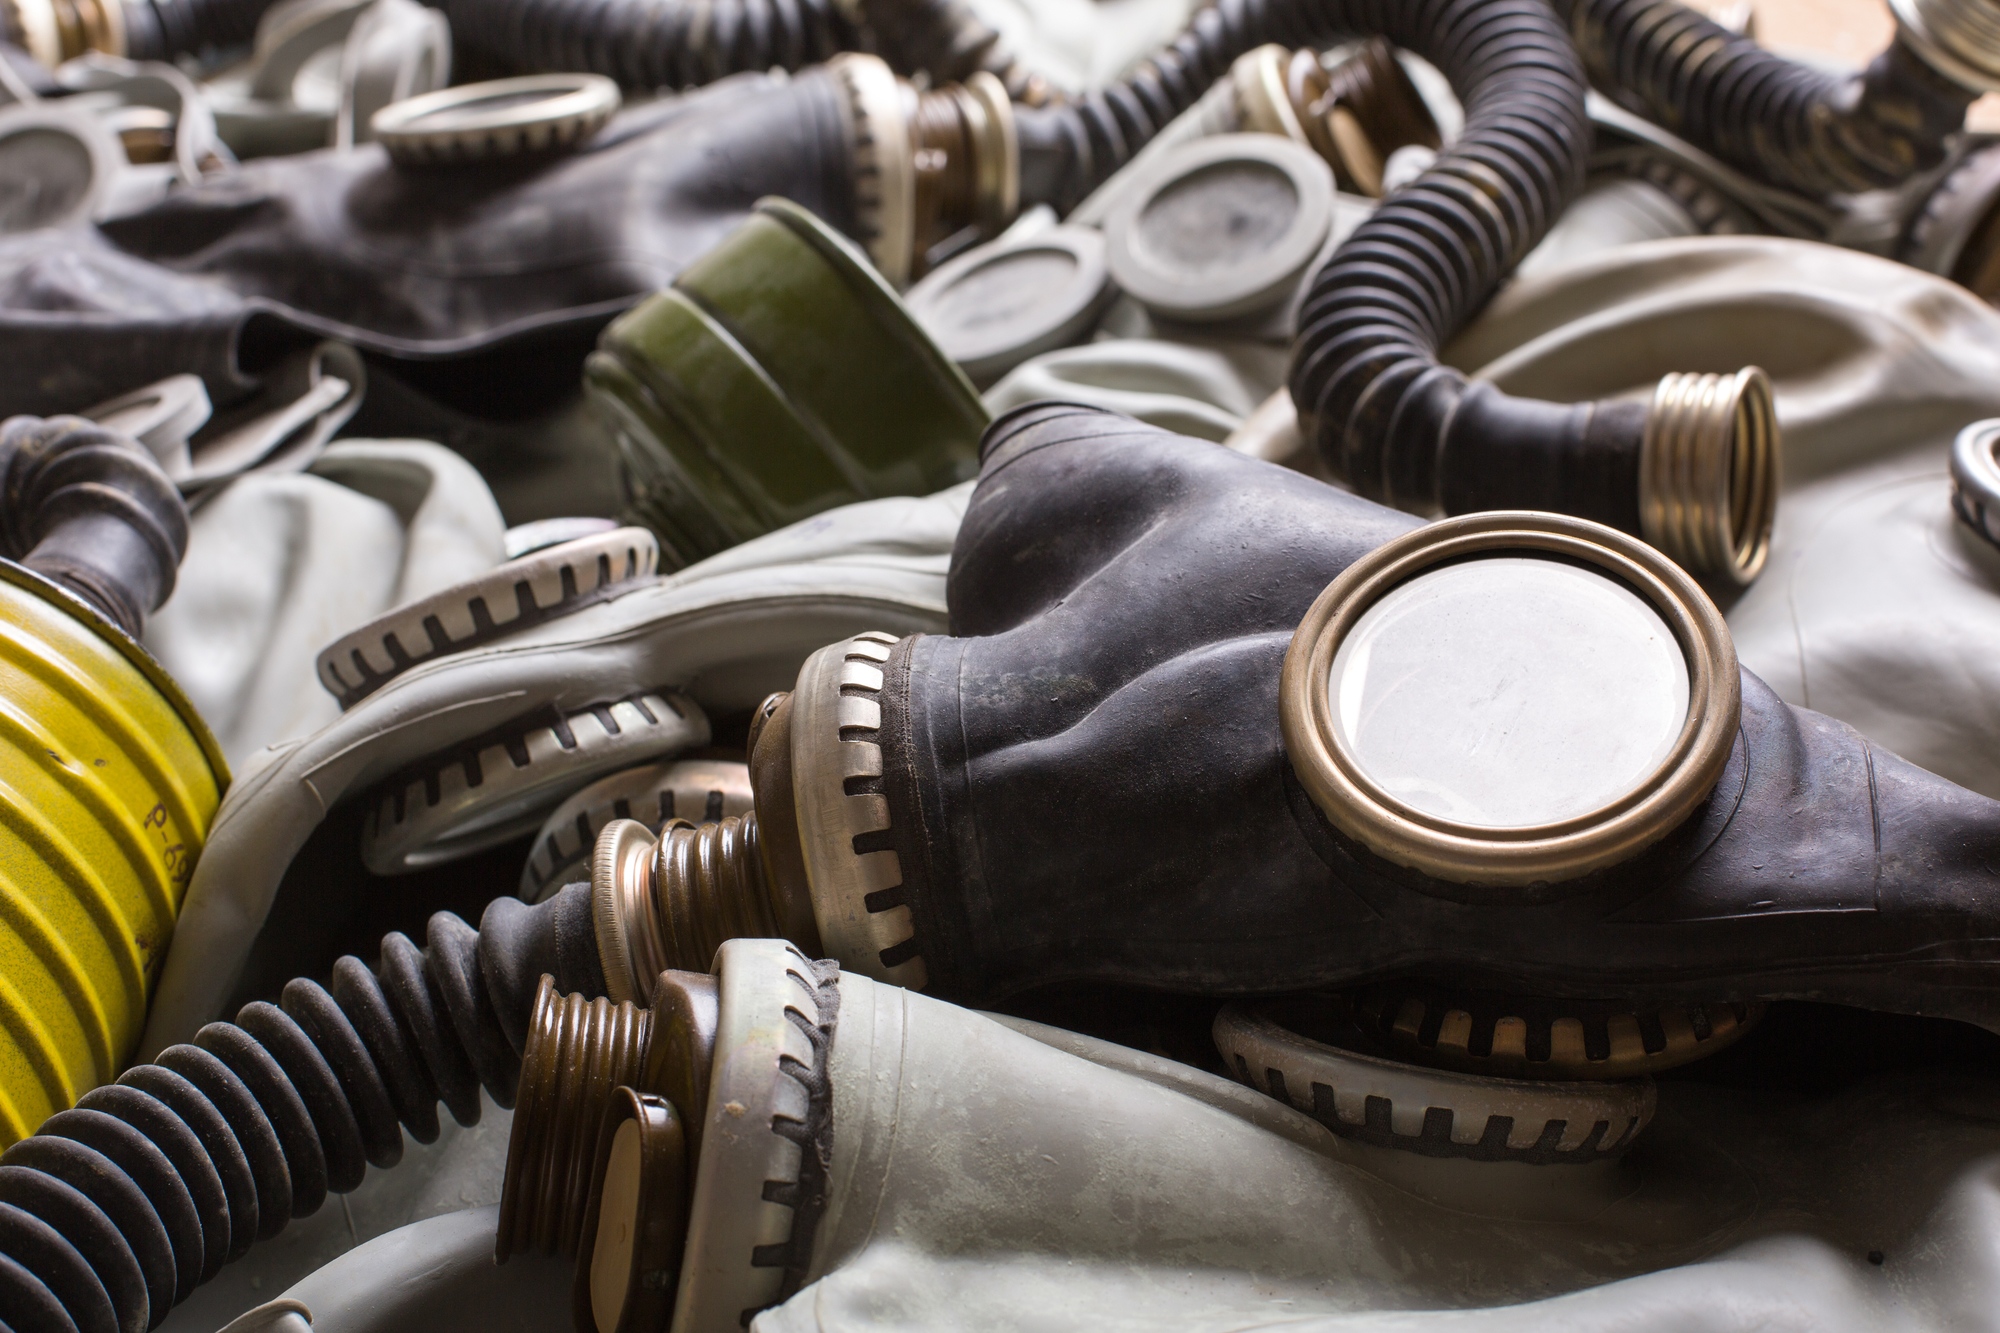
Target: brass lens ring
x=1529, y=854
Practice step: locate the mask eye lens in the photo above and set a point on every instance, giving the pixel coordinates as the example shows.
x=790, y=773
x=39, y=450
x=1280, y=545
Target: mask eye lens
x=1510, y=700
x=1509, y=692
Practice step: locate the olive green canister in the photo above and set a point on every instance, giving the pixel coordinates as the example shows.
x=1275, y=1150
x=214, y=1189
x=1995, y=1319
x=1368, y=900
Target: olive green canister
x=779, y=376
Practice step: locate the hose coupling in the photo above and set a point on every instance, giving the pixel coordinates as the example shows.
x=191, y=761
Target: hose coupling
x=89, y=508
x=1353, y=115
x=934, y=171
x=53, y=31
x=967, y=165
x=1708, y=473
x=673, y=1153
x=791, y=869
x=670, y=902
x=580, y=1056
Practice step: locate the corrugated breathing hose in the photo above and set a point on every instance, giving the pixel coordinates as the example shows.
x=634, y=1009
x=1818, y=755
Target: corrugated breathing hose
x=652, y=43
x=1694, y=471
x=166, y=29
x=121, y=1206
x=683, y=43
x=645, y=44
x=1780, y=121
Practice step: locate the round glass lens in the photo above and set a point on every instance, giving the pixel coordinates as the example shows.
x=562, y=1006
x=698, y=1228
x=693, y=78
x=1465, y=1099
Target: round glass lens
x=1509, y=692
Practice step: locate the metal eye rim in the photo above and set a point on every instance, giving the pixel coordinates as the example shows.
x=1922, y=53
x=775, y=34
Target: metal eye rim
x=1512, y=857
x=1975, y=478
x=496, y=119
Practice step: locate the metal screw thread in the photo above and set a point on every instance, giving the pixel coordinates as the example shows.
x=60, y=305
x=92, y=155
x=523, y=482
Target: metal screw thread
x=668, y=903
x=1373, y=85
x=579, y=1052
x=965, y=162
x=945, y=171
x=709, y=886
x=67, y=28
x=1708, y=473
x=1354, y=115
x=1362, y=110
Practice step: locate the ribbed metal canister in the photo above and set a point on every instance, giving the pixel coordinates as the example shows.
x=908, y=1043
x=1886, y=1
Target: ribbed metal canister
x=779, y=376
x=108, y=783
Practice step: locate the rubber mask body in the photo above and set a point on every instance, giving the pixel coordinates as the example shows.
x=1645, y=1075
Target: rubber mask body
x=411, y=263
x=1087, y=780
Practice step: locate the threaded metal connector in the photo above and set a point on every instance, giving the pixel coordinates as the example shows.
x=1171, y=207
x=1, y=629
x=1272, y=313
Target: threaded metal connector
x=579, y=1053
x=1353, y=115
x=670, y=902
x=1708, y=473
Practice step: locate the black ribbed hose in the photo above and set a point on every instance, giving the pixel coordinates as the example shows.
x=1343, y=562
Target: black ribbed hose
x=1382, y=410
x=652, y=44
x=644, y=44
x=169, y=29
x=90, y=509
x=1780, y=121
x=116, y=1210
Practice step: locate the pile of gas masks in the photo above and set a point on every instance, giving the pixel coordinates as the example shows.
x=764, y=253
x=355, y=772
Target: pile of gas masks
x=1170, y=685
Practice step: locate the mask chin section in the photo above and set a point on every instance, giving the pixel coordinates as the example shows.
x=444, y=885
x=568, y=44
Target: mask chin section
x=1478, y=1076
x=1510, y=701
x=1502, y=1035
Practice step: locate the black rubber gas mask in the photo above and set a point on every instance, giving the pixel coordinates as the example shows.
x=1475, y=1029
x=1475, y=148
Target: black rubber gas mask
x=1203, y=724
x=481, y=273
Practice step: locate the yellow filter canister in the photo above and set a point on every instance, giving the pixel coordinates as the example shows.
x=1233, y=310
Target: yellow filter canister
x=108, y=783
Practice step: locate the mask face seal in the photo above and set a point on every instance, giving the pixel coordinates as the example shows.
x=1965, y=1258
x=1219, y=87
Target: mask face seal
x=1510, y=699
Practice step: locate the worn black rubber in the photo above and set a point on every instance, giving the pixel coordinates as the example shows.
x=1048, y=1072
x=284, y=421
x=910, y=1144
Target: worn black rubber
x=90, y=509
x=1087, y=782
x=643, y=44
x=653, y=44
x=119, y=1208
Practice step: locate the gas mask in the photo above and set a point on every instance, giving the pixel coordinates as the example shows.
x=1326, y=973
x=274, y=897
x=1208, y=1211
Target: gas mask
x=515, y=258
x=1238, y=741
x=1107, y=772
